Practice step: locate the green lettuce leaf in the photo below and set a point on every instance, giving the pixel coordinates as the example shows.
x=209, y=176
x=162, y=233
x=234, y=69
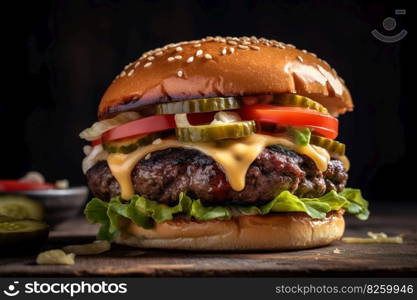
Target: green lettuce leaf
x=129, y=211
x=287, y=202
x=144, y=212
x=161, y=212
x=357, y=204
x=301, y=135
x=245, y=210
x=96, y=211
x=205, y=213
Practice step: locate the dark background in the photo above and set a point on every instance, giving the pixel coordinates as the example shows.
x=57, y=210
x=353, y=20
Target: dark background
x=63, y=55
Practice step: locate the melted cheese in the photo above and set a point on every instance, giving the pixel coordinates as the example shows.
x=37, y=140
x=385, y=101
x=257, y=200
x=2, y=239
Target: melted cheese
x=234, y=156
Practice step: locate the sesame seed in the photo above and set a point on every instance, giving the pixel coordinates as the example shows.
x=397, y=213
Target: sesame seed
x=224, y=51
x=208, y=56
x=171, y=59
x=148, y=156
x=178, y=49
x=123, y=74
x=148, y=64
x=281, y=46
x=290, y=46
x=197, y=45
x=245, y=43
x=171, y=45
x=300, y=58
x=233, y=43
x=254, y=47
x=209, y=38
x=137, y=64
x=304, y=51
x=179, y=73
x=127, y=66
x=232, y=50
x=313, y=54
x=130, y=72
x=159, y=53
x=178, y=57
x=243, y=47
x=199, y=53
x=190, y=59
x=150, y=58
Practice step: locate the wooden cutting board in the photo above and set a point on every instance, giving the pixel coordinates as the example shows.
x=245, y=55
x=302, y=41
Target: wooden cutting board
x=353, y=260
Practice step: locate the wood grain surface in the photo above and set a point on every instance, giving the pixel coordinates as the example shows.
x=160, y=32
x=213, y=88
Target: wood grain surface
x=391, y=260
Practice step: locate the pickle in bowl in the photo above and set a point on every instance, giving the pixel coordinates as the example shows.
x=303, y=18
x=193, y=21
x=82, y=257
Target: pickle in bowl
x=21, y=236
x=21, y=207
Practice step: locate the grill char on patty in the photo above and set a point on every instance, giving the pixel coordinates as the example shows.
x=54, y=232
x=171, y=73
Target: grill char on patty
x=169, y=172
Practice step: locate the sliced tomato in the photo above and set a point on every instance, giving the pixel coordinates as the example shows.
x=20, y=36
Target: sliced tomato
x=148, y=125
x=319, y=123
x=16, y=185
x=142, y=126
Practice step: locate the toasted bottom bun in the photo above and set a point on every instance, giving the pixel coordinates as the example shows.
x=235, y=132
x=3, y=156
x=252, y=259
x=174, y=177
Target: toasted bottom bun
x=271, y=232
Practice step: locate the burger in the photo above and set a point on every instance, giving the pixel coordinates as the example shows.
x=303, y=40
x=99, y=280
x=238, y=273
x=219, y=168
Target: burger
x=222, y=143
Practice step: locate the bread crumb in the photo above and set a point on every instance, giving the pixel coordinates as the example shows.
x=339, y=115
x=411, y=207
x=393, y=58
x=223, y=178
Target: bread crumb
x=375, y=238
x=55, y=257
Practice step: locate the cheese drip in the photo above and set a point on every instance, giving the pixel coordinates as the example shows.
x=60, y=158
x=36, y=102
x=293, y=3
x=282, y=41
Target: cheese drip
x=234, y=156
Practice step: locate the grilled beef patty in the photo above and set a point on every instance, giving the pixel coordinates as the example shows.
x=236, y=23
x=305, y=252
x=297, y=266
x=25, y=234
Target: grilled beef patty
x=168, y=172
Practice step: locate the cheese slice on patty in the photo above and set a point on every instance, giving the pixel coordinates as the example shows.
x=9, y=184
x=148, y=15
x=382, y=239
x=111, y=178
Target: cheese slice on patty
x=233, y=155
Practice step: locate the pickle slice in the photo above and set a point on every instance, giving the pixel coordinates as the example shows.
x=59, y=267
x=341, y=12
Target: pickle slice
x=97, y=247
x=126, y=146
x=6, y=219
x=198, y=105
x=21, y=236
x=297, y=100
x=20, y=207
x=334, y=147
x=211, y=132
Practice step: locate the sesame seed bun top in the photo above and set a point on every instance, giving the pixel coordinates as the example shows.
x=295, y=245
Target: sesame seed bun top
x=217, y=66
